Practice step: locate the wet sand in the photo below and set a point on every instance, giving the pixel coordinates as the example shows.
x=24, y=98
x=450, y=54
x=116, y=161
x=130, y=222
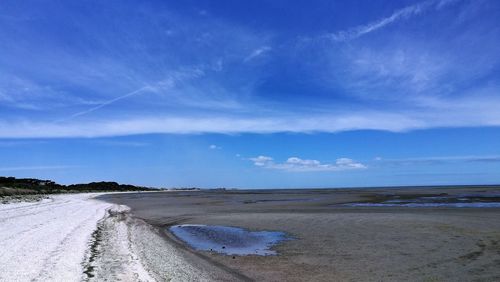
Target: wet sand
x=332, y=241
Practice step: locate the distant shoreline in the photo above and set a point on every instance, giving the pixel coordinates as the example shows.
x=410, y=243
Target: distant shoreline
x=366, y=188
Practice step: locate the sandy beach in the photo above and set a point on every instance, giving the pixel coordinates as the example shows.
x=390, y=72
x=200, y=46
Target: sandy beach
x=331, y=241
x=48, y=240
x=406, y=234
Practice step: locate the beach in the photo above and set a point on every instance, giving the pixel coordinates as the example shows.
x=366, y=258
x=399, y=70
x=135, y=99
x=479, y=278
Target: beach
x=285, y=141
x=328, y=239
x=379, y=234
x=48, y=240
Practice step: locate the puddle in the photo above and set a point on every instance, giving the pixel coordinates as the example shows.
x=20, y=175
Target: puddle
x=228, y=240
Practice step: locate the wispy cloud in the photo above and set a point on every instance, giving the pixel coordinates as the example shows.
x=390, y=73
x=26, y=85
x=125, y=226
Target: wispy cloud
x=438, y=160
x=162, y=85
x=120, y=143
x=214, y=147
x=34, y=168
x=257, y=52
x=21, y=93
x=401, y=14
x=15, y=143
x=304, y=165
x=455, y=115
x=165, y=73
x=436, y=81
x=207, y=124
x=117, y=62
x=107, y=103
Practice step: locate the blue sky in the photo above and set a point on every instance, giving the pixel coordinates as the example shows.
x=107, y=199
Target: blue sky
x=251, y=94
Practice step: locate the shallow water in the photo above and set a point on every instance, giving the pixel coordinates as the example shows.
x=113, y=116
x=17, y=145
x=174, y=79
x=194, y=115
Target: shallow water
x=228, y=240
x=279, y=200
x=423, y=205
x=480, y=200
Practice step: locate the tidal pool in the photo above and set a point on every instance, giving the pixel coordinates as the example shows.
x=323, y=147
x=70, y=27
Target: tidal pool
x=228, y=240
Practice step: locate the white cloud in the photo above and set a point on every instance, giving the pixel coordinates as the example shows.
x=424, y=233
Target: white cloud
x=443, y=114
x=401, y=14
x=407, y=68
x=163, y=85
x=206, y=124
x=214, y=147
x=298, y=164
x=425, y=75
x=120, y=143
x=261, y=160
x=438, y=160
x=197, y=93
x=20, y=168
x=124, y=74
x=257, y=52
x=109, y=102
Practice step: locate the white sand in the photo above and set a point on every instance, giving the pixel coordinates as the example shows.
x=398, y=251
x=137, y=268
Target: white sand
x=50, y=240
x=117, y=257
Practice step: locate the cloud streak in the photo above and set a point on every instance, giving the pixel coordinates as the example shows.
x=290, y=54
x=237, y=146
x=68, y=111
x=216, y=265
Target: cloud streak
x=205, y=124
x=257, y=52
x=401, y=14
x=439, y=160
x=33, y=168
x=196, y=80
x=454, y=116
x=107, y=103
x=303, y=165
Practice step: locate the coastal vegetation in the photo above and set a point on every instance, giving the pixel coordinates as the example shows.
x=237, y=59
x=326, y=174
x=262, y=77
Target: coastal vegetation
x=11, y=186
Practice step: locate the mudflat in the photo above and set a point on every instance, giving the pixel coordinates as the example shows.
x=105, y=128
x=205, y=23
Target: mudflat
x=334, y=240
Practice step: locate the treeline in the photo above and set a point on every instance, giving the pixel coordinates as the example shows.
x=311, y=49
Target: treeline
x=15, y=186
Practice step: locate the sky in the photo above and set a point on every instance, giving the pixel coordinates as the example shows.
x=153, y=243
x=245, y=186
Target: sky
x=251, y=94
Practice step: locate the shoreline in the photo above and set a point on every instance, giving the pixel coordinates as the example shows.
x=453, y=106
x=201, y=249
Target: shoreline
x=157, y=256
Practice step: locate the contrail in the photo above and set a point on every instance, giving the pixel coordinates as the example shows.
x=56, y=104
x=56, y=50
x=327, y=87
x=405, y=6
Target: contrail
x=403, y=13
x=109, y=102
x=169, y=82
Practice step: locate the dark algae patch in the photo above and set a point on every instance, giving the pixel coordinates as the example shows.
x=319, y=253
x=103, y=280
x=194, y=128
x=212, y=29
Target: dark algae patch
x=96, y=239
